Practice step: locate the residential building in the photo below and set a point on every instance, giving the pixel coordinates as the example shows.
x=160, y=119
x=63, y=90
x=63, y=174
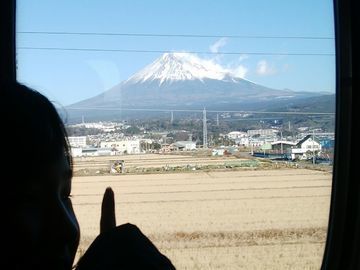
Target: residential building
x=282, y=146
x=123, y=147
x=244, y=141
x=306, y=147
x=236, y=135
x=185, y=145
x=218, y=152
x=261, y=132
x=77, y=141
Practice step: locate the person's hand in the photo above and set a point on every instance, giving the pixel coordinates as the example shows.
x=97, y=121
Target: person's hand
x=121, y=247
x=108, y=219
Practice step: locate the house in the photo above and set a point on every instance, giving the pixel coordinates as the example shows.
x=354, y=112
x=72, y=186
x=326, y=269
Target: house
x=91, y=151
x=105, y=151
x=282, y=146
x=123, y=147
x=166, y=148
x=218, y=152
x=185, y=145
x=305, y=148
x=77, y=141
x=261, y=132
x=236, y=135
x=244, y=141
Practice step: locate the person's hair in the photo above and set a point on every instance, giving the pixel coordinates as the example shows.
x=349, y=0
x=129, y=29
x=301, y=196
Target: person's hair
x=33, y=134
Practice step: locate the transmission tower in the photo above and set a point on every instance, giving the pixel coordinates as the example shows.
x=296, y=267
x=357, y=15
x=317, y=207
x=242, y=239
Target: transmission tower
x=205, y=141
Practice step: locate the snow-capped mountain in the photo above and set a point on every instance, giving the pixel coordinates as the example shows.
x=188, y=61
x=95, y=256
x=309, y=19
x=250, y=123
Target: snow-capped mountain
x=183, y=80
x=179, y=67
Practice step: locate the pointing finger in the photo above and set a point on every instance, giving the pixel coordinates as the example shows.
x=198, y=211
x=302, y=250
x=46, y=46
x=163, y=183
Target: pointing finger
x=108, y=219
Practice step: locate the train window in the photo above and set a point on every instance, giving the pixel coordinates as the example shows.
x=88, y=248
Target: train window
x=213, y=122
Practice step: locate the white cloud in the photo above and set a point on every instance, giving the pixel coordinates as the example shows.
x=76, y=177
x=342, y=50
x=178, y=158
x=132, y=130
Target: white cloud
x=243, y=57
x=263, y=68
x=235, y=70
x=239, y=71
x=212, y=66
x=214, y=48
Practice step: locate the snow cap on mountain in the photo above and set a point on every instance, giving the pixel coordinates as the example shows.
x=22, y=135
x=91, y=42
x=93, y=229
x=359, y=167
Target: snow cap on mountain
x=182, y=66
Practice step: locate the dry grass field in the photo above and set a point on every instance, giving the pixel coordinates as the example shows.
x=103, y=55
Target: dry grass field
x=149, y=162
x=244, y=219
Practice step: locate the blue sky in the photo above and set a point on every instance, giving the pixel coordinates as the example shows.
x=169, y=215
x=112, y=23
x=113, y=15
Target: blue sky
x=70, y=76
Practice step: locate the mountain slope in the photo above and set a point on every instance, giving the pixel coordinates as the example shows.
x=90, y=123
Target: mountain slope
x=182, y=80
x=317, y=104
x=178, y=67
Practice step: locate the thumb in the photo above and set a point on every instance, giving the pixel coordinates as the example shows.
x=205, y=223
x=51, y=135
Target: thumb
x=107, y=220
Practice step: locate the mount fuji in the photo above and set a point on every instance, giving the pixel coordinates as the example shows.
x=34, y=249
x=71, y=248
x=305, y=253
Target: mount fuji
x=183, y=80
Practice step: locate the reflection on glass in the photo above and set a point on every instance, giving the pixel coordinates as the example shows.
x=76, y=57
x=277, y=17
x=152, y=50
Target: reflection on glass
x=212, y=122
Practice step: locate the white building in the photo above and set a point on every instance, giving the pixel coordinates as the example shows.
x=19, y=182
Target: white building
x=308, y=145
x=77, y=141
x=282, y=145
x=91, y=152
x=104, y=126
x=236, y=135
x=124, y=147
x=76, y=152
x=185, y=145
x=244, y=141
x=261, y=132
x=218, y=152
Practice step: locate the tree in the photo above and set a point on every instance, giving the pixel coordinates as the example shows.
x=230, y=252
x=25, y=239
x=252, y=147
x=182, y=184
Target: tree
x=132, y=130
x=156, y=145
x=181, y=136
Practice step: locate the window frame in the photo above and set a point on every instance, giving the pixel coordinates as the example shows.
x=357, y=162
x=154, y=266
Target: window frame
x=342, y=249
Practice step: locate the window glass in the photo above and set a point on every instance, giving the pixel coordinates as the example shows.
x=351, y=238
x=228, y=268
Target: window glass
x=213, y=121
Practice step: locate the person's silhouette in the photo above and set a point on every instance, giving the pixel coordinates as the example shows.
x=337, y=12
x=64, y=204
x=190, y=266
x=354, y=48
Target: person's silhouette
x=41, y=230
x=121, y=247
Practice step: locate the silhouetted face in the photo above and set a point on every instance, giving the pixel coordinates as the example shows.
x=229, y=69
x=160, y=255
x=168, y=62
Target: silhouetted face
x=45, y=226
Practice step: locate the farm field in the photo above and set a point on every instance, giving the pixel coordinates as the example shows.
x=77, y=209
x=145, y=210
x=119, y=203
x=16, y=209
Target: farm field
x=147, y=162
x=244, y=219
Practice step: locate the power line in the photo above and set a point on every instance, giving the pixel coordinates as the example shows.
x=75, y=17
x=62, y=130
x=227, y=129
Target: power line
x=168, y=51
x=194, y=110
x=171, y=35
x=249, y=119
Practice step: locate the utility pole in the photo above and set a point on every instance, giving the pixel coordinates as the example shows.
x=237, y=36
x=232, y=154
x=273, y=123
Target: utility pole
x=291, y=132
x=281, y=142
x=252, y=146
x=205, y=142
x=313, y=147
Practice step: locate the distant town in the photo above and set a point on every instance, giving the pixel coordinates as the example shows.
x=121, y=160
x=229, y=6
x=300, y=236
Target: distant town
x=275, y=140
